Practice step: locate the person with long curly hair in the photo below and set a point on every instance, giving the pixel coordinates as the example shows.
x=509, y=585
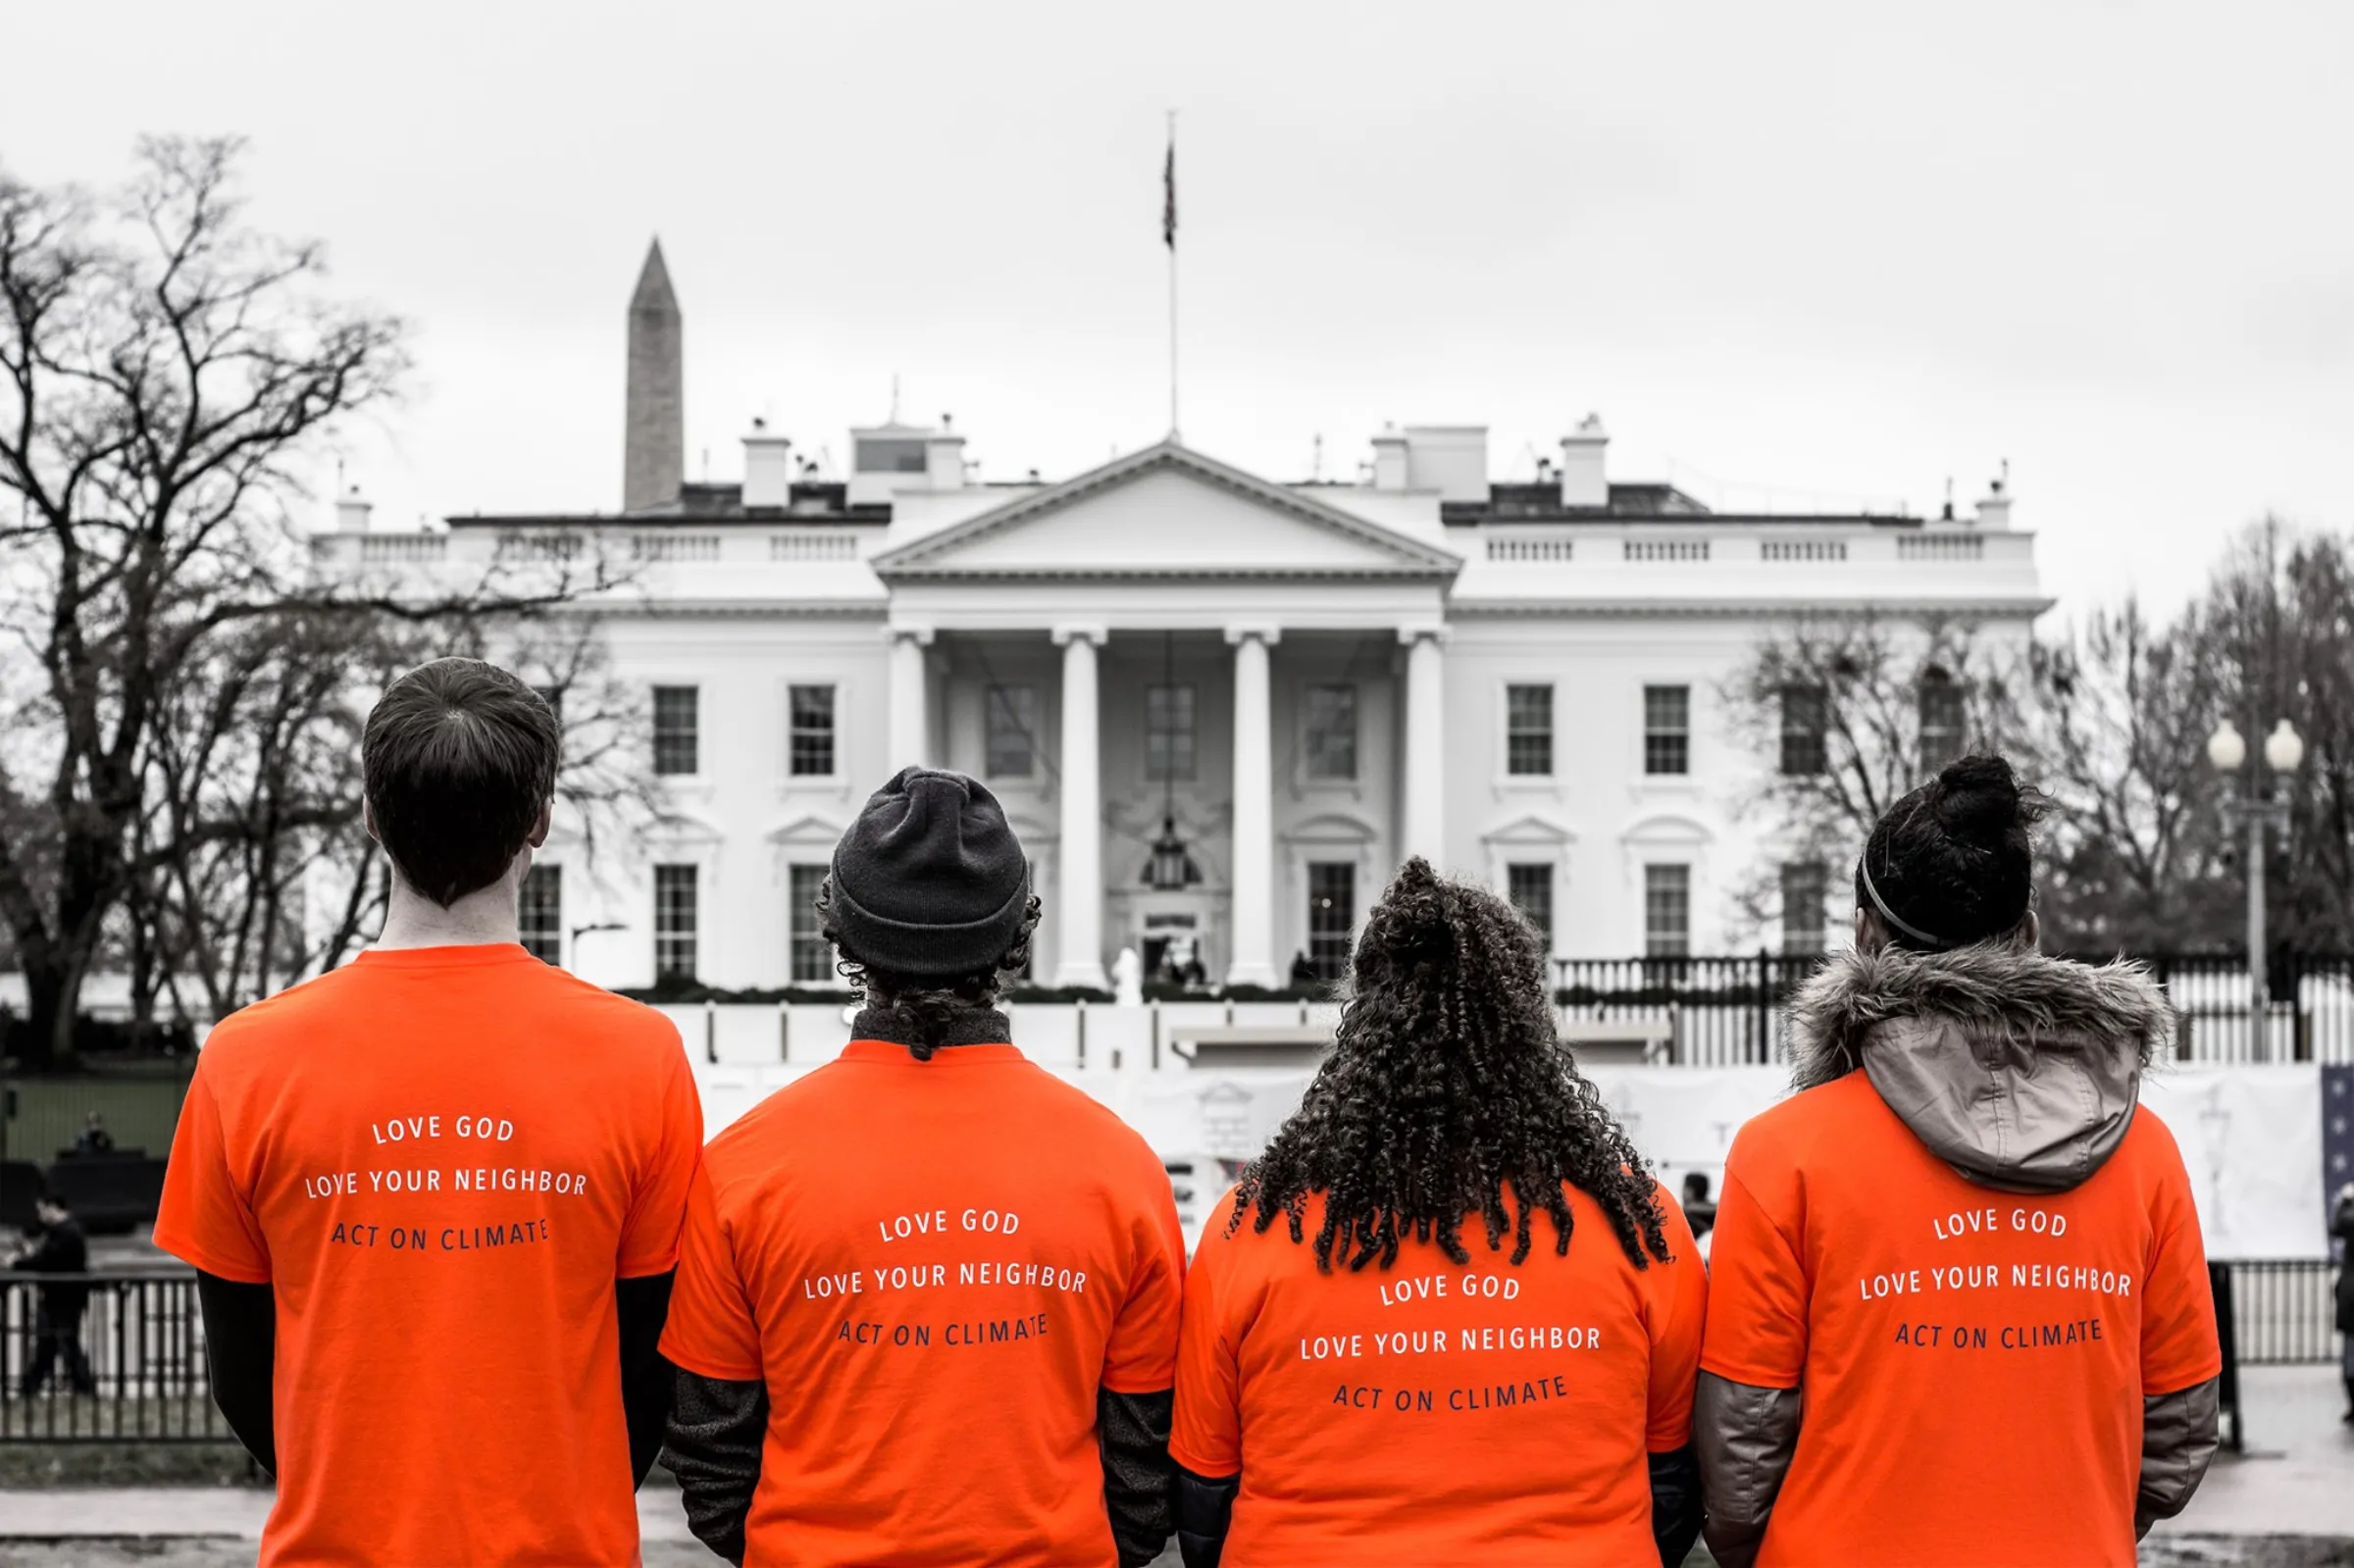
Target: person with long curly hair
x=1959, y=1311
x=928, y=1295
x=1448, y=1317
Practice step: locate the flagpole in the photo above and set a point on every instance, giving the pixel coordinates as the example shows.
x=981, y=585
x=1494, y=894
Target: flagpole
x=1172, y=244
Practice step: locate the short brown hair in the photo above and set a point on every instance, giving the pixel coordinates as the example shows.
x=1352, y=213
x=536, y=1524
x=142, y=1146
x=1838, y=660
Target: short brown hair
x=458, y=756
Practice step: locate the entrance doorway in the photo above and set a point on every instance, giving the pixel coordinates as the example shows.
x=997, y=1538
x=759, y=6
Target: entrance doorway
x=1170, y=944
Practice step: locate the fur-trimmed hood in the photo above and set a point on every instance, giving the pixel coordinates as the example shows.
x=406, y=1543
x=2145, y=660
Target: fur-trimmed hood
x=2020, y=1071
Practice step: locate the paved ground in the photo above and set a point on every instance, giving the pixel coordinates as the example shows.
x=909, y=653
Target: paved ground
x=2288, y=1503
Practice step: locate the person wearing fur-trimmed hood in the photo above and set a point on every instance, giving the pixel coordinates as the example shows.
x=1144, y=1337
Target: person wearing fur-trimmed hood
x=1958, y=1308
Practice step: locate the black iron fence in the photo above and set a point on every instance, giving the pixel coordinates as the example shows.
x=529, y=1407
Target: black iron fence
x=2283, y=1311
x=1724, y=1011
x=131, y=1368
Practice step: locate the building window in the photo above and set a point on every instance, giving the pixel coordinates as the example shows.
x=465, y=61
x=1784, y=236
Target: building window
x=1530, y=889
x=1804, y=885
x=674, y=922
x=812, y=954
x=1012, y=730
x=1666, y=911
x=677, y=730
x=812, y=710
x=1331, y=915
x=1332, y=733
x=1940, y=720
x=539, y=913
x=1667, y=730
x=1806, y=719
x=1528, y=729
x=1169, y=732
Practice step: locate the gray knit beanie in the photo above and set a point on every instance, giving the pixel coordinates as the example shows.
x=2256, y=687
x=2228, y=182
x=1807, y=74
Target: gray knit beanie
x=929, y=880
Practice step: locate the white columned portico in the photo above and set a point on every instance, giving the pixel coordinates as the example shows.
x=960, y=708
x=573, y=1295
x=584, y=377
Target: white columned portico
x=1253, y=878
x=1080, y=887
x=1424, y=827
x=910, y=721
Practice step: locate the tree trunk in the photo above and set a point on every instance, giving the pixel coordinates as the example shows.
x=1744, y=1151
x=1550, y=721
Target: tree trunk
x=53, y=994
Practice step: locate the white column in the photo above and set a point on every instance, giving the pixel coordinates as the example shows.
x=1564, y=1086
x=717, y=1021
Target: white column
x=911, y=723
x=1424, y=821
x=1080, y=894
x=1252, y=925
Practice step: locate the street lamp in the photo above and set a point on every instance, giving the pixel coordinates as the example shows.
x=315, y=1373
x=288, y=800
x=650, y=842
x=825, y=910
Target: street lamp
x=2261, y=809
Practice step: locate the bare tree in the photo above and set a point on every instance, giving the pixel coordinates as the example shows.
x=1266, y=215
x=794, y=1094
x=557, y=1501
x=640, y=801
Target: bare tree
x=2275, y=627
x=1845, y=713
x=2121, y=714
x=166, y=373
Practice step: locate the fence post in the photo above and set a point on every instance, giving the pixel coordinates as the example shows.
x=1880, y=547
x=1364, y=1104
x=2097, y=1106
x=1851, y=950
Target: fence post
x=2227, y=1330
x=1765, y=1006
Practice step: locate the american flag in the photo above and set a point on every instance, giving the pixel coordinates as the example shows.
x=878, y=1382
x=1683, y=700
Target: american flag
x=1168, y=202
x=2337, y=1137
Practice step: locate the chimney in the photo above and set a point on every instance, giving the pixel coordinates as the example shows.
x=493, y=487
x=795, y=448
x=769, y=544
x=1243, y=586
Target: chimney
x=351, y=512
x=1994, y=508
x=767, y=466
x=1451, y=459
x=1585, y=482
x=1389, y=460
x=654, y=465
x=944, y=457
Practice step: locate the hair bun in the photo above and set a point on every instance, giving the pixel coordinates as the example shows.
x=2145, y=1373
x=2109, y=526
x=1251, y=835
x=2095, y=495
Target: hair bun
x=1978, y=799
x=1421, y=921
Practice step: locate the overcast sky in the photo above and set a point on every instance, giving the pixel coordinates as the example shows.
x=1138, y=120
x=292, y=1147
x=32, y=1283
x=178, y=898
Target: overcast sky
x=1827, y=250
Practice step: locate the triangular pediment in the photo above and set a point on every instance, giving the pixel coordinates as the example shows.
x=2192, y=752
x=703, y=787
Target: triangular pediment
x=1166, y=512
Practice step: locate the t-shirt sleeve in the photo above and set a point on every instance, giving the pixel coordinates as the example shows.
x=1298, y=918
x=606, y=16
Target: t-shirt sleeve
x=1679, y=1311
x=2180, y=1347
x=1206, y=1435
x=1757, y=1290
x=206, y=1218
x=650, y=1236
x=711, y=1330
x=1141, y=1355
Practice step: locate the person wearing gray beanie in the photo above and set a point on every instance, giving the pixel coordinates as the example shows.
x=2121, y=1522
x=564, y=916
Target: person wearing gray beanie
x=928, y=1295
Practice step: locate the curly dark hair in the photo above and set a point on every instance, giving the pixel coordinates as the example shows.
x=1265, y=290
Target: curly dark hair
x=1448, y=1083
x=925, y=1006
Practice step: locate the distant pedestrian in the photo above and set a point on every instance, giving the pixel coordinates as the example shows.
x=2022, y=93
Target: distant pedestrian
x=1698, y=1208
x=93, y=1139
x=57, y=1319
x=2341, y=1228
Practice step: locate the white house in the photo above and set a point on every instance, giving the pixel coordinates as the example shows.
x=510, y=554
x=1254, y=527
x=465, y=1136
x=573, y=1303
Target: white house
x=1287, y=687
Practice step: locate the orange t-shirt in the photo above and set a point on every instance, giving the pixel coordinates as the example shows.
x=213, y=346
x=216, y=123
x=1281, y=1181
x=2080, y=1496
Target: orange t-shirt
x=1974, y=1361
x=1435, y=1411
x=440, y=1159
x=933, y=1266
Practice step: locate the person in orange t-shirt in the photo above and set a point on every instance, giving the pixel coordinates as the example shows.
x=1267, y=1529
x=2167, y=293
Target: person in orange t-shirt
x=926, y=1308
x=435, y=1196
x=1959, y=1310
x=1356, y=1383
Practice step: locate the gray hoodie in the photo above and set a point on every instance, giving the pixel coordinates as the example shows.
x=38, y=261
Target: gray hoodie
x=2021, y=1072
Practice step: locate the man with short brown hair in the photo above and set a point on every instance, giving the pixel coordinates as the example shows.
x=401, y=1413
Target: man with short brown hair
x=435, y=1196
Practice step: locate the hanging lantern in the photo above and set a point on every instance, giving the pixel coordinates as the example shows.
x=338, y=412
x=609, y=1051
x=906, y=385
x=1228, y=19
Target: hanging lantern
x=1170, y=866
